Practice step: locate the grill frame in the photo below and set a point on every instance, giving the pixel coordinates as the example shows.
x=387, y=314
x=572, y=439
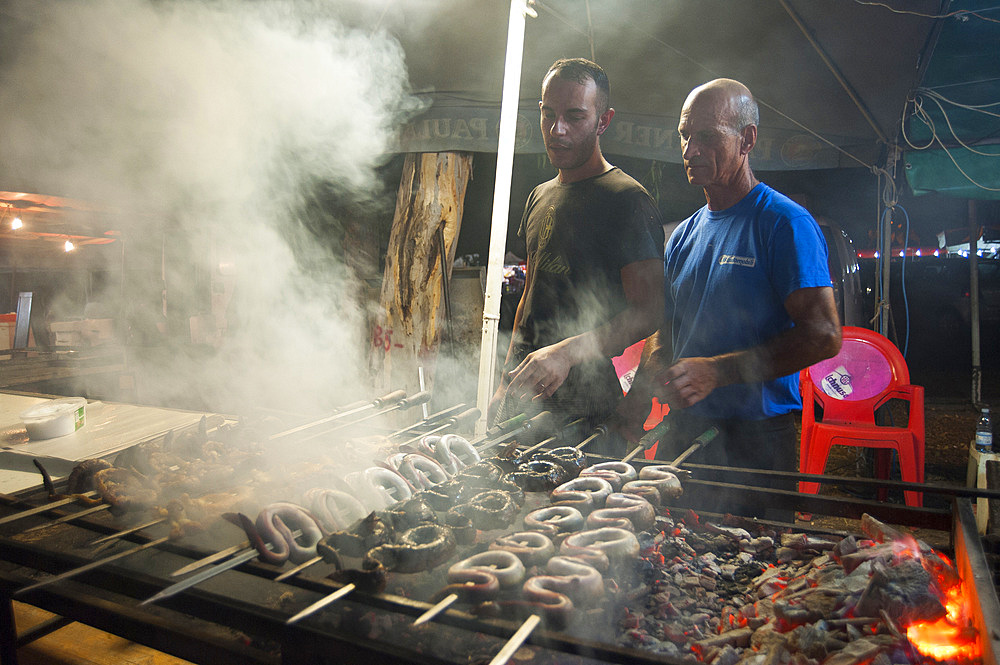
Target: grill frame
x=192, y=625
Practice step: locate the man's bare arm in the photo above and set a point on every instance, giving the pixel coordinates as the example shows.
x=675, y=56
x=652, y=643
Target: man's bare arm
x=543, y=371
x=815, y=336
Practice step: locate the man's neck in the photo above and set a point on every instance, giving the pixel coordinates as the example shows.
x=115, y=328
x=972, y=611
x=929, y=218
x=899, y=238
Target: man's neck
x=596, y=165
x=720, y=197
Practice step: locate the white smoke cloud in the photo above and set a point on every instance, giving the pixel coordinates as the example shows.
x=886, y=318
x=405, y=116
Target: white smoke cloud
x=216, y=120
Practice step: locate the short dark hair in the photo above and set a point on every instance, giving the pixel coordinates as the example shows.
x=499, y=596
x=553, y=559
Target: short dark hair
x=581, y=70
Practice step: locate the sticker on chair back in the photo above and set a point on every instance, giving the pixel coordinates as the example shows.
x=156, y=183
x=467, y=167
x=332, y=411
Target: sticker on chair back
x=837, y=384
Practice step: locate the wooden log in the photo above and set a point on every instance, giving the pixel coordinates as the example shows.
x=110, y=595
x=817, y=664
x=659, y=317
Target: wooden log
x=406, y=330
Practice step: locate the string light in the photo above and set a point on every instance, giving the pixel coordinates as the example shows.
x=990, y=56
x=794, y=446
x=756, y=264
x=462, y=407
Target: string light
x=16, y=223
x=69, y=246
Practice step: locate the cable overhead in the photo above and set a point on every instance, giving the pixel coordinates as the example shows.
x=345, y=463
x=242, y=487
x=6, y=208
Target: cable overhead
x=959, y=12
x=921, y=114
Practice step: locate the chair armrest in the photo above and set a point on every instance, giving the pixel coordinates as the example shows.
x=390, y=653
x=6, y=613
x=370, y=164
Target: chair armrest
x=914, y=396
x=807, y=390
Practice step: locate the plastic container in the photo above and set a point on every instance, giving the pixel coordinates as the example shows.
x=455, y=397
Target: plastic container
x=57, y=417
x=984, y=433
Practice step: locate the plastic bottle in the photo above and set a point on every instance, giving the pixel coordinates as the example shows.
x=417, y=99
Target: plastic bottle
x=984, y=433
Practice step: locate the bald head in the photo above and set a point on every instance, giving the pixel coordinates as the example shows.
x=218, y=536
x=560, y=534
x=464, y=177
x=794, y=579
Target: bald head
x=731, y=99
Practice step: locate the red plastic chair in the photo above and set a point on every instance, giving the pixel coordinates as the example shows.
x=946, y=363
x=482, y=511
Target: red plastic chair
x=867, y=373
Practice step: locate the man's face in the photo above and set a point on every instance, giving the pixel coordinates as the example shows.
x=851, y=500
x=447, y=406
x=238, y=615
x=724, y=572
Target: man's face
x=710, y=147
x=570, y=121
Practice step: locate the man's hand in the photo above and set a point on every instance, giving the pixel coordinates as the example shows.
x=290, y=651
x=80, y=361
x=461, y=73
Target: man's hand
x=690, y=380
x=542, y=372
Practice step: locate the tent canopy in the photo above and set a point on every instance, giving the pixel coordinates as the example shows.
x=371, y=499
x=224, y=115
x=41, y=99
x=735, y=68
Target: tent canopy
x=953, y=121
x=831, y=78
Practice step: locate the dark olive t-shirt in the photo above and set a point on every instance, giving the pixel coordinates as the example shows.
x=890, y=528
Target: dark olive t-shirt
x=578, y=238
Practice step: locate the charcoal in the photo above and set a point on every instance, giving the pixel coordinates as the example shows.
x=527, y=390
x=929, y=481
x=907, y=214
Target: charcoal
x=904, y=591
x=739, y=637
x=725, y=656
x=848, y=545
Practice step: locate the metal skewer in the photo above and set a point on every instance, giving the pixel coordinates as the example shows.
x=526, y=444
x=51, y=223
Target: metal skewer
x=703, y=440
x=298, y=569
x=555, y=438
x=322, y=602
x=543, y=422
x=599, y=431
x=41, y=509
x=68, y=518
x=210, y=559
x=467, y=416
x=403, y=404
x=432, y=419
x=201, y=577
x=442, y=605
x=378, y=403
x=125, y=532
x=93, y=564
x=504, y=429
x=516, y=640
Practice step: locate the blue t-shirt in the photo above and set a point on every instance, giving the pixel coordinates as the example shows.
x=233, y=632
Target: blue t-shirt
x=727, y=274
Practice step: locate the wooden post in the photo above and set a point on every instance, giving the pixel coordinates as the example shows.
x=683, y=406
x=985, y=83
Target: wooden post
x=407, y=328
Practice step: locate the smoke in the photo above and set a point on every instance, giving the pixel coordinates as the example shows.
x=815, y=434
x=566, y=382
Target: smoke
x=219, y=129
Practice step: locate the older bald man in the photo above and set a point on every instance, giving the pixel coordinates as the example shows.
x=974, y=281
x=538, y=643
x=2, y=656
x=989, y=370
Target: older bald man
x=749, y=300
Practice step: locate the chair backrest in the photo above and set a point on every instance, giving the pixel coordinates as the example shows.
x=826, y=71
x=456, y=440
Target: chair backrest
x=851, y=384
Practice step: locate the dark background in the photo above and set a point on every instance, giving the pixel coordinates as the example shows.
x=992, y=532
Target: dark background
x=929, y=296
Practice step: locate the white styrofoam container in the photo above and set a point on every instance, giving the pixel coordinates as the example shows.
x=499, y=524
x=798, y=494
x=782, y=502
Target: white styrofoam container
x=57, y=417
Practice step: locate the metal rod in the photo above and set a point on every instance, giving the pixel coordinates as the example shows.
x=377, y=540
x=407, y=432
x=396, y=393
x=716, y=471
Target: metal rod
x=67, y=518
x=384, y=400
x=297, y=569
x=703, y=440
x=516, y=640
x=468, y=415
x=504, y=429
x=201, y=577
x=93, y=564
x=41, y=509
x=551, y=439
x=436, y=610
x=541, y=422
x=210, y=559
x=322, y=602
x=429, y=420
x=599, y=431
x=405, y=403
x=125, y=532
x=635, y=451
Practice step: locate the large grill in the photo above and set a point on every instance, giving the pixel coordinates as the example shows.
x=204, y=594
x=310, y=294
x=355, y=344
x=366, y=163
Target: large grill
x=240, y=616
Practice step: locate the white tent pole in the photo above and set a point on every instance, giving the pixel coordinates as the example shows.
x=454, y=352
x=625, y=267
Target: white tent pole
x=501, y=204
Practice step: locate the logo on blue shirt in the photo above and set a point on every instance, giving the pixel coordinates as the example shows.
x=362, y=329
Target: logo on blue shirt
x=731, y=260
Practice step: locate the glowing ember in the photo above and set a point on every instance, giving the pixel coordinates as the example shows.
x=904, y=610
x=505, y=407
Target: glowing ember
x=949, y=637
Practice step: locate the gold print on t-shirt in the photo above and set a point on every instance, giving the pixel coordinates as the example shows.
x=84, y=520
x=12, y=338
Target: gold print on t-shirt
x=547, y=261
x=552, y=263
x=544, y=233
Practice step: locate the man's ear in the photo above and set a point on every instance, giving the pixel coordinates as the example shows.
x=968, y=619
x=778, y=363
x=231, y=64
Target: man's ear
x=748, y=139
x=604, y=121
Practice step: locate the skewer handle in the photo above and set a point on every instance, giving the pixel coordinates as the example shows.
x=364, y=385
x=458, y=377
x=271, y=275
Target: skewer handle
x=652, y=436
x=467, y=417
x=389, y=399
x=415, y=399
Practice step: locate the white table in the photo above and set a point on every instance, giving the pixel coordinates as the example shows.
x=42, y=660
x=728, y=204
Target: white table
x=109, y=428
